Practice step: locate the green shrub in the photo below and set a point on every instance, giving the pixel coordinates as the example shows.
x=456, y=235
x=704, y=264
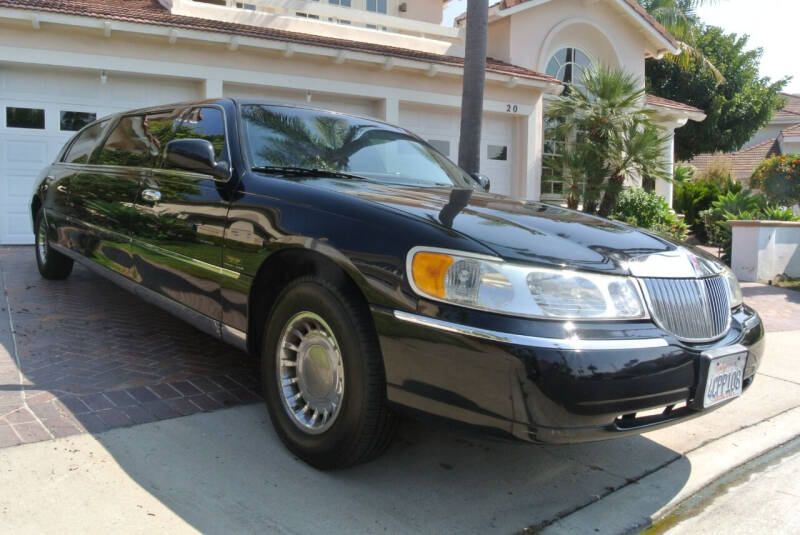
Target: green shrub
x=683, y=172
x=637, y=207
x=779, y=178
x=691, y=198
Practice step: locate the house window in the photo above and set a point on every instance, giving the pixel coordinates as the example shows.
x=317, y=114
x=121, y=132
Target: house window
x=250, y=7
x=441, y=145
x=568, y=65
x=72, y=121
x=378, y=6
x=308, y=15
x=343, y=3
x=497, y=152
x=25, y=118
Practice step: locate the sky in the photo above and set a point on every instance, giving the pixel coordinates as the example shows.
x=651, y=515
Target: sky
x=771, y=25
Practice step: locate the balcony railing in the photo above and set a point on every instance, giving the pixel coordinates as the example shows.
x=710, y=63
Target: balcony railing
x=355, y=15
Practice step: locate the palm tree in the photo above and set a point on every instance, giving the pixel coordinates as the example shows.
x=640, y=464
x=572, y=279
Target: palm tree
x=680, y=19
x=469, y=147
x=610, y=136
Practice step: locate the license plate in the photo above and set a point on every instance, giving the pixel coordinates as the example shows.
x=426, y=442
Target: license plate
x=725, y=376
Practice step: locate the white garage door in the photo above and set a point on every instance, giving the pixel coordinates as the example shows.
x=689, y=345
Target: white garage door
x=441, y=127
x=326, y=101
x=39, y=111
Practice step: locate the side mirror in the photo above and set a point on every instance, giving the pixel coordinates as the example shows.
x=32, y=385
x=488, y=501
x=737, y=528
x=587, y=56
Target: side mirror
x=482, y=180
x=195, y=155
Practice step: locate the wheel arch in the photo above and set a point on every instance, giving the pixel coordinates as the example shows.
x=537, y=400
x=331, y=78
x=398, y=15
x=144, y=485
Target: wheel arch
x=287, y=264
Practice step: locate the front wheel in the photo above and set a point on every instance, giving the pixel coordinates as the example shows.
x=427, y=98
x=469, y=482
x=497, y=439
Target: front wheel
x=323, y=376
x=52, y=264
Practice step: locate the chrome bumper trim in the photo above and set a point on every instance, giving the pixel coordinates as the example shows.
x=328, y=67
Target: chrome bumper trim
x=574, y=344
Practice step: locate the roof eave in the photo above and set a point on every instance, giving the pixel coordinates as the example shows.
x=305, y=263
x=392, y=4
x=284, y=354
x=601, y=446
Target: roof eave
x=234, y=41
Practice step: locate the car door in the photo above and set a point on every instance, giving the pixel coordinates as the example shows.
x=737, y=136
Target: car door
x=58, y=201
x=181, y=215
x=104, y=192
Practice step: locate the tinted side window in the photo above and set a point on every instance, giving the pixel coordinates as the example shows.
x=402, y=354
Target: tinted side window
x=84, y=144
x=137, y=140
x=205, y=123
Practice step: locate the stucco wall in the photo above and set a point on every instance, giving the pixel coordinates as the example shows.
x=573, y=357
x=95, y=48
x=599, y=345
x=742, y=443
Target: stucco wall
x=763, y=249
x=424, y=10
x=770, y=131
x=537, y=33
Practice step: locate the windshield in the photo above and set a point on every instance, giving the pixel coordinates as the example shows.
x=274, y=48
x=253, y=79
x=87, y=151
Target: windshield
x=279, y=136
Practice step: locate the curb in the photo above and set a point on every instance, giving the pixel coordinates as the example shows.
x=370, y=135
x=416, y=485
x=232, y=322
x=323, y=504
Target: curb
x=618, y=512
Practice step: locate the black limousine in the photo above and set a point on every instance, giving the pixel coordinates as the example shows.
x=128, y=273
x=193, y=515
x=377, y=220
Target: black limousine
x=371, y=276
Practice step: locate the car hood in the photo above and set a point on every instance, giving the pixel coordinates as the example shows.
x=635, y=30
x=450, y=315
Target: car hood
x=515, y=230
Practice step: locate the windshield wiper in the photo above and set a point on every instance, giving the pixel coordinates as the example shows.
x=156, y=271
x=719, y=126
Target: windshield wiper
x=306, y=171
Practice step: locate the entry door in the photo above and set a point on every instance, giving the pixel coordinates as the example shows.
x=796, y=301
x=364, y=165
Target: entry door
x=177, y=241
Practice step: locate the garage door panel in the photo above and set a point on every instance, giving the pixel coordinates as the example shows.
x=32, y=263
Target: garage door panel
x=19, y=186
x=18, y=227
x=25, y=152
x=441, y=128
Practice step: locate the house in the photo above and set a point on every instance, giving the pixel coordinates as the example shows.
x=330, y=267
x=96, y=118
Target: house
x=780, y=136
x=65, y=62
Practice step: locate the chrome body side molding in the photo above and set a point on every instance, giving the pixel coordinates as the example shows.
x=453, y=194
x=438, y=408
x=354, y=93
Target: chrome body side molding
x=574, y=344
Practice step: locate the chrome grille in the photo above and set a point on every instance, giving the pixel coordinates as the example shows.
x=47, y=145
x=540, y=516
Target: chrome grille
x=691, y=309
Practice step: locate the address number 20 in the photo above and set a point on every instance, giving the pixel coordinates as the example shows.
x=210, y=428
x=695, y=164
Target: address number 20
x=512, y=108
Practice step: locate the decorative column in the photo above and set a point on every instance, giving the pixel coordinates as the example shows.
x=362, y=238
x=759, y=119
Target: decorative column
x=212, y=88
x=389, y=110
x=531, y=143
x=663, y=187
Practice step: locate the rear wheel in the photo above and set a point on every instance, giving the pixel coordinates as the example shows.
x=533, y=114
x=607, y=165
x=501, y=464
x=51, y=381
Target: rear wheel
x=323, y=376
x=52, y=264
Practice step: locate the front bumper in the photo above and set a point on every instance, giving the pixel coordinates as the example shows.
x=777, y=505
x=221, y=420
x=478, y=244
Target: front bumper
x=593, y=385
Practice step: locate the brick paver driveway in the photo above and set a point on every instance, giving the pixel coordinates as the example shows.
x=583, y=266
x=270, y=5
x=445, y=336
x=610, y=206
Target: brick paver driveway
x=86, y=355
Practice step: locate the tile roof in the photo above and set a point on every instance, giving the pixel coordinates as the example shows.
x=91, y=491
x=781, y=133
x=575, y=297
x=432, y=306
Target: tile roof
x=633, y=4
x=792, y=130
x=654, y=100
x=743, y=162
x=790, y=110
x=152, y=12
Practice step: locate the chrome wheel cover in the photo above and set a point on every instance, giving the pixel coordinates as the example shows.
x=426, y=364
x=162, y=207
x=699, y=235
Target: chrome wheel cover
x=310, y=373
x=41, y=240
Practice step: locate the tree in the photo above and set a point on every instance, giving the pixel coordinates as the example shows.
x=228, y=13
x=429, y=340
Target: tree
x=469, y=147
x=609, y=137
x=680, y=19
x=736, y=107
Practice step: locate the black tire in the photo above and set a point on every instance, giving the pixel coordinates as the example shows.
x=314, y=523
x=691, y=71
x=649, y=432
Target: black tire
x=364, y=425
x=52, y=264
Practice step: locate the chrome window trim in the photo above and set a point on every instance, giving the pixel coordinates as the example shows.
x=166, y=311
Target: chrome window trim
x=573, y=344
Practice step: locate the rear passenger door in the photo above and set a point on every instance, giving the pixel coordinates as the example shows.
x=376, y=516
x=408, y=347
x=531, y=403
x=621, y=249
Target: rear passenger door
x=181, y=215
x=104, y=192
x=59, y=201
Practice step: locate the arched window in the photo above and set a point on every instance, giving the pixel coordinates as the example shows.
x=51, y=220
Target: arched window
x=567, y=65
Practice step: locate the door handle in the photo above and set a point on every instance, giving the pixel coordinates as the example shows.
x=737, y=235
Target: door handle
x=151, y=195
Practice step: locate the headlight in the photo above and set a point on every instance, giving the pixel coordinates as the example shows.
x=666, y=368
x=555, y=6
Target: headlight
x=734, y=290
x=488, y=283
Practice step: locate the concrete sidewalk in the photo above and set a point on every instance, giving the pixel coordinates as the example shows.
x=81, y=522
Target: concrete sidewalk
x=226, y=471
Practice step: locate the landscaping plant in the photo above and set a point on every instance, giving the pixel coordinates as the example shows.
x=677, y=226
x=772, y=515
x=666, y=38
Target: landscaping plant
x=611, y=137
x=779, y=178
x=640, y=208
